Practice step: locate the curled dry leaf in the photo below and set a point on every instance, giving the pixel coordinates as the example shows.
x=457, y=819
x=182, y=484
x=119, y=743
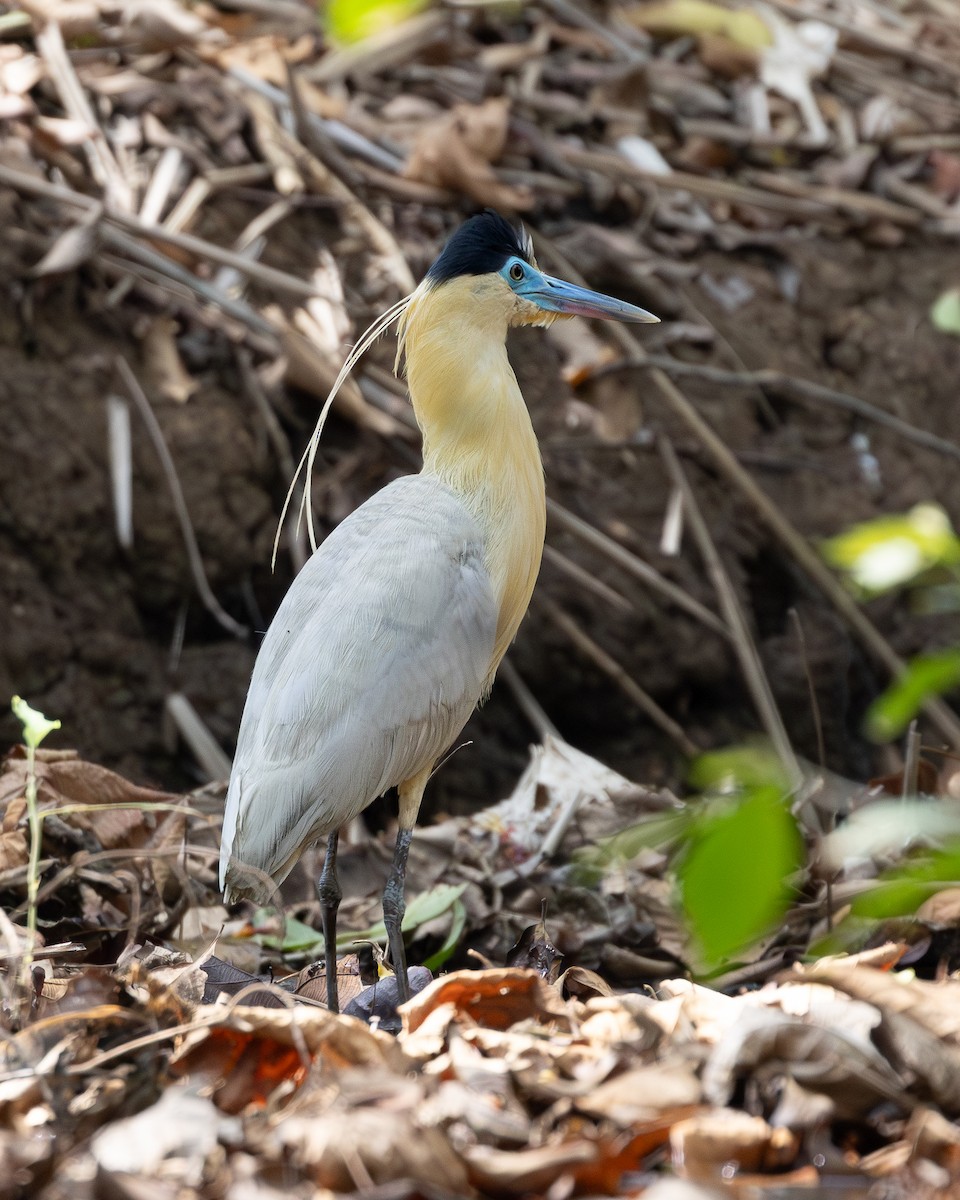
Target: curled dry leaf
x=658, y=1094
x=936, y=1006
x=515, y=1172
x=247, y=1054
x=64, y=779
x=495, y=999
x=456, y=151
x=942, y=910
x=703, y=1145
x=341, y=1149
x=854, y=1075
x=583, y=984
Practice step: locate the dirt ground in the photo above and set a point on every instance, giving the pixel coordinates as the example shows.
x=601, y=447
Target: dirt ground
x=90, y=632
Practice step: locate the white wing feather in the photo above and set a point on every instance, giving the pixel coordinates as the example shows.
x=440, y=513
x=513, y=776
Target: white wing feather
x=377, y=656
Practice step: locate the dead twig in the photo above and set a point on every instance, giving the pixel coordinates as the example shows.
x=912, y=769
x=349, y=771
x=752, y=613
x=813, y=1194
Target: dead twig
x=796, y=545
x=564, y=519
x=746, y=650
x=103, y=166
x=270, y=277
x=208, y=752
x=588, y=582
x=803, y=390
x=210, y=602
x=612, y=669
x=527, y=702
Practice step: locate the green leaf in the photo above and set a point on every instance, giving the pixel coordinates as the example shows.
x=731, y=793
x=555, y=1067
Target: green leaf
x=925, y=676
x=738, y=768
x=736, y=876
x=421, y=909
x=901, y=891
x=457, y=926
x=652, y=833
x=945, y=312
x=297, y=937
x=353, y=20
x=892, y=550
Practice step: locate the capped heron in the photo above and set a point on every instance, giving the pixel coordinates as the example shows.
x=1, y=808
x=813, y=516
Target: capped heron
x=392, y=632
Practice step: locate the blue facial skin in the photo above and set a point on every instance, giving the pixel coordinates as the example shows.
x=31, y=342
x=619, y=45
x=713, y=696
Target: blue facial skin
x=555, y=295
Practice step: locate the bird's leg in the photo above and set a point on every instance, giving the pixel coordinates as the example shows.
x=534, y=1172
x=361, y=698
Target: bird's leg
x=394, y=904
x=394, y=907
x=328, y=889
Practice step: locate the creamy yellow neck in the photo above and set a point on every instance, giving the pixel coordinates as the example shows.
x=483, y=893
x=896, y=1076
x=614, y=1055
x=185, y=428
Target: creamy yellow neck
x=477, y=435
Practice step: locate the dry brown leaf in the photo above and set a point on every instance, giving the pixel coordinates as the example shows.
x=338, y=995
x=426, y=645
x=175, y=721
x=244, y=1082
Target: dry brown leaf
x=312, y=981
x=932, y=1136
x=703, y=1145
x=13, y=839
x=267, y=57
x=626, y=1024
x=246, y=1054
x=942, y=910
x=163, y=362
x=517, y=1171
x=935, y=1006
x=645, y=1094
x=583, y=984
x=495, y=999
x=851, y=1071
x=341, y=1149
x=64, y=779
x=457, y=150
x=726, y=57
x=945, y=181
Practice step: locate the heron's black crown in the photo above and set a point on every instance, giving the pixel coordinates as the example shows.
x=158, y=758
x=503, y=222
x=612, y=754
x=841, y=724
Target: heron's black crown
x=480, y=246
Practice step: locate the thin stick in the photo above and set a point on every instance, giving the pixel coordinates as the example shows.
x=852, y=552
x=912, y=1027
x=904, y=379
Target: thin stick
x=565, y=519
x=527, y=702
x=296, y=540
x=750, y=664
x=811, y=688
x=208, y=752
x=612, y=669
x=798, y=389
x=911, y=764
x=208, y=292
x=796, y=545
x=616, y=167
x=270, y=277
x=587, y=581
x=120, y=456
x=210, y=602
x=103, y=166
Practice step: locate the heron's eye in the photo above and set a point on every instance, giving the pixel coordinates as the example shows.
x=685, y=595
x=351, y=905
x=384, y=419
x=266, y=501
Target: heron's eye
x=516, y=272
